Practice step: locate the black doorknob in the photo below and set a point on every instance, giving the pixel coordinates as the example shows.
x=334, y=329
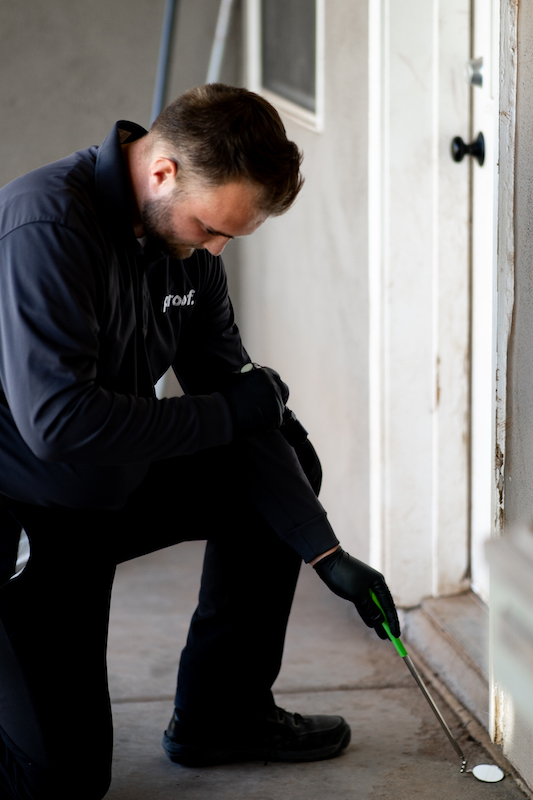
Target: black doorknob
x=475, y=149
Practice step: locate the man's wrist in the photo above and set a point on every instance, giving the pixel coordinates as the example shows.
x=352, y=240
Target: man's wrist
x=323, y=555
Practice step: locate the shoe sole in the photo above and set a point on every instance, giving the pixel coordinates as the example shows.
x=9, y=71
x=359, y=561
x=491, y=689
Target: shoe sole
x=191, y=756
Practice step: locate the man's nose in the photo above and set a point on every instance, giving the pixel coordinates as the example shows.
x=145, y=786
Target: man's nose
x=216, y=245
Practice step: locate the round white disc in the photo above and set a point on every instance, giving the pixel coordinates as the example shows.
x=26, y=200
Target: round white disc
x=489, y=773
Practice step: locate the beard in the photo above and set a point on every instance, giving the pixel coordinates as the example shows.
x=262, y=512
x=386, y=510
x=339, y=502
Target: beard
x=156, y=218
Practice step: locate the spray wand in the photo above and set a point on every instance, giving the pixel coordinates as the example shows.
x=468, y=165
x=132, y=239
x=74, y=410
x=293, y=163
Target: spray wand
x=397, y=642
x=488, y=773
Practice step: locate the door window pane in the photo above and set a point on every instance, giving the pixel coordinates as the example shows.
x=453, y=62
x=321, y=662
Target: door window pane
x=289, y=50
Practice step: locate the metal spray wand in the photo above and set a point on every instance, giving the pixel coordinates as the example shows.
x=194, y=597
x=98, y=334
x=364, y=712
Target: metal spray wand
x=414, y=672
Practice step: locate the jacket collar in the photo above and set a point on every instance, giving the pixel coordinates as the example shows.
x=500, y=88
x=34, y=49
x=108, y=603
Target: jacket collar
x=112, y=179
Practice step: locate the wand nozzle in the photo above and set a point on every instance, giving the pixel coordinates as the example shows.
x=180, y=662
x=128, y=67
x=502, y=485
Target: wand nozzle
x=414, y=672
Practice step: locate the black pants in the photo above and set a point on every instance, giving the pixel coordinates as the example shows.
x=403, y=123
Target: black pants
x=55, y=716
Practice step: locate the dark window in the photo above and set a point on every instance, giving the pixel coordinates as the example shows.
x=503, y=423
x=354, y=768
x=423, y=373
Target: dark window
x=289, y=50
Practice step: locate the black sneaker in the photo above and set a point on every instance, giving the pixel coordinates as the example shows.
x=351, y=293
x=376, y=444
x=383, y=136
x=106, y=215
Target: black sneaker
x=281, y=737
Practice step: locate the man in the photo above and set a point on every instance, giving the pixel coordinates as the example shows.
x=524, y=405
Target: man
x=110, y=273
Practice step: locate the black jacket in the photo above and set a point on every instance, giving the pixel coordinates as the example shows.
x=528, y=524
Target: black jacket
x=89, y=321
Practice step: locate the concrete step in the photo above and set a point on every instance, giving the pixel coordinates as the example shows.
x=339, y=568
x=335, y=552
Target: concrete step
x=452, y=635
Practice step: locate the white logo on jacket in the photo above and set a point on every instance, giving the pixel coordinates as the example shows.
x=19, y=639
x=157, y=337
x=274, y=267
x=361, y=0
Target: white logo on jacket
x=178, y=300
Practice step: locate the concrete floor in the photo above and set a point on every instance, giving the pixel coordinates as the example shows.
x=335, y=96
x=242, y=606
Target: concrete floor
x=333, y=664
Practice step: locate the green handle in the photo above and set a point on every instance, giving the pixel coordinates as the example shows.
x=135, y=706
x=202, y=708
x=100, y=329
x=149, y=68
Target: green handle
x=397, y=642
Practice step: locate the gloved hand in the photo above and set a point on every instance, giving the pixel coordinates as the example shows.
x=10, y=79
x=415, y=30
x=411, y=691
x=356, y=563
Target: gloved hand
x=256, y=399
x=351, y=579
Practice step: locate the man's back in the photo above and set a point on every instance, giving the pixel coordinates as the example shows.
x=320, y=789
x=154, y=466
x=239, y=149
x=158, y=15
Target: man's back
x=83, y=338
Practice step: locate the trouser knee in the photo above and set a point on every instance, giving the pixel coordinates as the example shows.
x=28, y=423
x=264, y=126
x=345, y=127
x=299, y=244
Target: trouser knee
x=31, y=784
x=22, y=778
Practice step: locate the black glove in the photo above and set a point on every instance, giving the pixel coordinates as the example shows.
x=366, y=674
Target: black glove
x=351, y=579
x=256, y=400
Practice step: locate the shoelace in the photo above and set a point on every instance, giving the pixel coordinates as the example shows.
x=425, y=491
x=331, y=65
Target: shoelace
x=283, y=714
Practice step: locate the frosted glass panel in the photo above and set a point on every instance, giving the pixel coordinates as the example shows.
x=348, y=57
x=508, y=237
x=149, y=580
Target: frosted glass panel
x=289, y=50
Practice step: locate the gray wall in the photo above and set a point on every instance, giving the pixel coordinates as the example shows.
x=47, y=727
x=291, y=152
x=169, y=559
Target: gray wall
x=519, y=476
x=69, y=69
x=196, y=23
x=516, y=731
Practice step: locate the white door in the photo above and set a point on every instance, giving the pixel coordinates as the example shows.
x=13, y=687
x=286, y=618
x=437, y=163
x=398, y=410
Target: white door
x=419, y=296
x=484, y=77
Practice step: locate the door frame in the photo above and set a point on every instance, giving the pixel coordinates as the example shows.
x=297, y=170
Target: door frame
x=500, y=703
x=504, y=262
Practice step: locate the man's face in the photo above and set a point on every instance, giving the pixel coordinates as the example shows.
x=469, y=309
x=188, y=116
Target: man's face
x=200, y=217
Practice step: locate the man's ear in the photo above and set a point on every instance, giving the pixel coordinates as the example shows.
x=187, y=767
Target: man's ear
x=162, y=173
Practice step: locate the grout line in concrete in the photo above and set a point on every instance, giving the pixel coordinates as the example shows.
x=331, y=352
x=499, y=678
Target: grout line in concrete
x=299, y=690
x=344, y=688
x=155, y=699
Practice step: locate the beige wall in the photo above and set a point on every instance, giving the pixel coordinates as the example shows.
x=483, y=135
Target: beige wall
x=303, y=281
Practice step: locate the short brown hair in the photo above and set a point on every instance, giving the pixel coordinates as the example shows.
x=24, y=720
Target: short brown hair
x=227, y=133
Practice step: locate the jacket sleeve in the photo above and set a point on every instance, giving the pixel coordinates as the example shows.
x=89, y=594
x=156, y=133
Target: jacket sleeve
x=281, y=492
x=52, y=286
x=210, y=347
x=273, y=477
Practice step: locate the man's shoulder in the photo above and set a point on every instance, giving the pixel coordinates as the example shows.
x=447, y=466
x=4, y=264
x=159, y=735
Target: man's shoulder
x=50, y=193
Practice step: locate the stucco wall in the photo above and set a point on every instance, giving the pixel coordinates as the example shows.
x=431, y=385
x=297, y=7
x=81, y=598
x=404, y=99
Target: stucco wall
x=519, y=476
x=516, y=733
x=69, y=69
x=303, y=281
